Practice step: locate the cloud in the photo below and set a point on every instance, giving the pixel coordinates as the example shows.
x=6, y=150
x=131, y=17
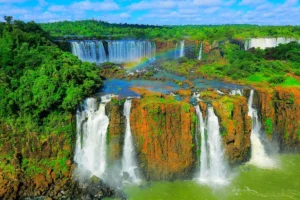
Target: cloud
x=45, y=17
x=251, y=2
x=125, y=15
x=12, y=10
x=208, y=3
x=42, y=3
x=169, y=12
x=212, y=10
x=58, y=8
x=95, y=6
x=145, y=5
x=12, y=1
x=290, y=2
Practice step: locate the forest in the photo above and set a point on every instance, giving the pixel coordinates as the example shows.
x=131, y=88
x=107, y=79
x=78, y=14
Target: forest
x=40, y=85
x=104, y=30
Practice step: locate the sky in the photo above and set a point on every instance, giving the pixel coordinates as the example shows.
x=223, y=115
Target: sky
x=166, y=12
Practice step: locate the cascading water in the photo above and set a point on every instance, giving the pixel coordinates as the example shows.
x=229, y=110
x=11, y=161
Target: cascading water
x=259, y=156
x=130, y=51
x=181, y=54
x=203, y=156
x=236, y=92
x=118, y=51
x=264, y=43
x=213, y=166
x=90, y=50
x=129, y=163
x=200, y=51
x=92, y=124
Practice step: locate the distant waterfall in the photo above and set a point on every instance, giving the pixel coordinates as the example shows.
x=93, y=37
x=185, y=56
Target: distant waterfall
x=129, y=162
x=181, y=54
x=200, y=51
x=213, y=166
x=264, y=43
x=129, y=51
x=259, y=156
x=119, y=51
x=176, y=54
x=236, y=92
x=90, y=51
x=92, y=124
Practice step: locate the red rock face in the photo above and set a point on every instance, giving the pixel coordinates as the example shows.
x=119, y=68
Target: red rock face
x=115, y=131
x=280, y=111
x=235, y=127
x=34, y=165
x=163, y=134
x=164, y=45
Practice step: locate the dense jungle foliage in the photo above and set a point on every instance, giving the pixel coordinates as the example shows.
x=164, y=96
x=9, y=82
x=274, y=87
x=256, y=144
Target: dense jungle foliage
x=100, y=29
x=273, y=66
x=40, y=85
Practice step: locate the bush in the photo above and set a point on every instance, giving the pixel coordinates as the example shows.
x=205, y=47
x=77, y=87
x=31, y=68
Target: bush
x=277, y=80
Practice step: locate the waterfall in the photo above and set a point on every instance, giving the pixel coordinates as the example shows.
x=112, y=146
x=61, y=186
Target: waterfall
x=90, y=152
x=259, y=156
x=236, y=92
x=89, y=50
x=203, y=156
x=119, y=51
x=264, y=43
x=200, y=51
x=130, y=51
x=213, y=166
x=129, y=162
x=181, y=48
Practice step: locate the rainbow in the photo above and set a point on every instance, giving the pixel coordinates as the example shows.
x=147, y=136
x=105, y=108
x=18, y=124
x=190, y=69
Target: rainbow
x=170, y=53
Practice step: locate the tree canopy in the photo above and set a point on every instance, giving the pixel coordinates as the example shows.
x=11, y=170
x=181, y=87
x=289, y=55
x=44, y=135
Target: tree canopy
x=100, y=29
x=38, y=79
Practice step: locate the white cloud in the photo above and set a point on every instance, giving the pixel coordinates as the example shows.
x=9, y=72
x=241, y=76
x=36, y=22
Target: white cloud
x=13, y=1
x=168, y=11
x=145, y=5
x=211, y=10
x=45, y=17
x=95, y=6
x=125, y=15
x=43, y=3
x=208, y=3
x=58, y=8
x=12, y=10
x=251, y=2
x=290, y=2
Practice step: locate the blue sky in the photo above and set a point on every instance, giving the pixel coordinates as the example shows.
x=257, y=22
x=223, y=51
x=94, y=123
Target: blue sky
x=166, y=12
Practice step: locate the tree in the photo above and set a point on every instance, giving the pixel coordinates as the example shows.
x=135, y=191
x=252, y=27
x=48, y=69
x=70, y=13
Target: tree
x=8, y=19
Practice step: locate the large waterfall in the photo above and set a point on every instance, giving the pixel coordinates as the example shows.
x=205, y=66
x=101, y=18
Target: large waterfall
x=213, y=166
x=264, y=43
x=259, y=156
x=200, y=51
x=119, y=51
x=90, y=152
x=203, y=157
x=90, y=51
x=129, y=163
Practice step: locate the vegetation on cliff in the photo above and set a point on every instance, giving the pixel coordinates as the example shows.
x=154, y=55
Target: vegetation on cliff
x=40, y=89
x=270, y=67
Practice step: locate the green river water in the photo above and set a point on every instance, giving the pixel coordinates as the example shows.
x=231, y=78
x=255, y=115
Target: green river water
x=247, y=183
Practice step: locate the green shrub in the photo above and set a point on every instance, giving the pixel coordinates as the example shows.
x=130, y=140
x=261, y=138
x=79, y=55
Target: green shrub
x=269, y=126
